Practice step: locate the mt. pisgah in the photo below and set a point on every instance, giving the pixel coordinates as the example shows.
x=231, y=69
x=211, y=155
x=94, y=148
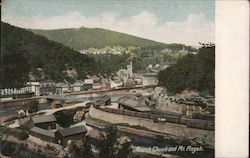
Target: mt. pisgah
x=84, y=38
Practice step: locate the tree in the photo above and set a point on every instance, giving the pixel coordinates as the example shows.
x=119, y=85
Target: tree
x=192, y=72
x=22, y=135
x=27, y=56
x=15, y=67
x=80, y=150
x=125, y=151
x=108, y=148
x=33, y=106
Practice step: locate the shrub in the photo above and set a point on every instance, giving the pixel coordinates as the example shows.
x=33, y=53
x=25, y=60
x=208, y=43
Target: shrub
x=33, y=106
x=24, y=127
x=22, y=135
x=192, y=72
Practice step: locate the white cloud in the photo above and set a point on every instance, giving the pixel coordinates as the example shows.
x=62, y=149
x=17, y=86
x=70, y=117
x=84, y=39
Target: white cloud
x=196, y=28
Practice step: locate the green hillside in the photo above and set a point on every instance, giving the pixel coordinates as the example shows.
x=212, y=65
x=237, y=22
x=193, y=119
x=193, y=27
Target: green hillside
x=192, y=72
x=84, y=38
x=26, y=56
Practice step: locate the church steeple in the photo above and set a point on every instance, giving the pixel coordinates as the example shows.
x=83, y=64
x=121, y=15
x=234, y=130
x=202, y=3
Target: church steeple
x=131, y=67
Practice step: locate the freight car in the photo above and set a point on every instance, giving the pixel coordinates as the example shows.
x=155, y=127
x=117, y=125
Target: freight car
x=166, y=117
x=201, y=124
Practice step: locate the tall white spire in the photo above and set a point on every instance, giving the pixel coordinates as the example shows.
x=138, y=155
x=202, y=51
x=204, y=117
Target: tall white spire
x=131, y=67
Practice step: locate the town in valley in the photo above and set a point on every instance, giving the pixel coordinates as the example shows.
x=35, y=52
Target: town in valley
x=91, y=92
x=132, y=105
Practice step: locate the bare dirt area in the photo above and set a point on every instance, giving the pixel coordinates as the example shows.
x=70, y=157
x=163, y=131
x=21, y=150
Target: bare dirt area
x=37, y=145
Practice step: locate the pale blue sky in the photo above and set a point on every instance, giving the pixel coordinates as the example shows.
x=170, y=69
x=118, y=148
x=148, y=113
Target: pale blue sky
x=169, y=21
x=165, y=10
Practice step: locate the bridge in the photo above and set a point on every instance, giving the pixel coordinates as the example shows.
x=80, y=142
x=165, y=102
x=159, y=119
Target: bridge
x=94, y=93
x=76, y=96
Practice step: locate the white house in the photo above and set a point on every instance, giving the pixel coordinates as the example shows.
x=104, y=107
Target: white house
x=78, y=86
x=124, y=74
x=183, y=50
x=10, y=91
x=115, y=84
x=97, y=86
x=89, y=81
x=34, y=87
x=62, y=88
x=149, y=80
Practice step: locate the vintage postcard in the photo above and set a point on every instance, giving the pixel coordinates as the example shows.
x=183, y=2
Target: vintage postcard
x=108, y=79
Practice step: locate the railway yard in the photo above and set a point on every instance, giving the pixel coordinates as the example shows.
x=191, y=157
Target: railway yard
x=132, y=115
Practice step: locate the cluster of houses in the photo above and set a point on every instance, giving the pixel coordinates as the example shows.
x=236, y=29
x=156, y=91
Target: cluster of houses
x=127, y=77
x=46, y=128
x=124, y=78
x=156, y=67
x=183, y=50
x=16, y=93
x=116, y=50
x=51, y=87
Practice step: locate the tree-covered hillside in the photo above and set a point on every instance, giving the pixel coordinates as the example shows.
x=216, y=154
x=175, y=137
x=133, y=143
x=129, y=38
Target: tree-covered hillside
x=192, y=72
x=84, y=38
x=25, y=55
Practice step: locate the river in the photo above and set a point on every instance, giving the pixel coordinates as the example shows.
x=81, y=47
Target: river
x=15, y=109
x=42, y=106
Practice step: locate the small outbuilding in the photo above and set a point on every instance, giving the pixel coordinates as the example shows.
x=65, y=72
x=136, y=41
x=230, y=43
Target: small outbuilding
x=95, y=137
x=66, y=135
x=45, y=135
x=79, y=116
x=104, y=100
x=133, y=105
x=21, y=113
x=44, y=121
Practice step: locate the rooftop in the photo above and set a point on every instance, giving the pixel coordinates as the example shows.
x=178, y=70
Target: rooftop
x=44, y=118
x=95, y=134
x=62, y=84
x=42, y=131
x=71, y=131
x=134, y=103
x=143, y=108
x=162, y=112
x=105, y=98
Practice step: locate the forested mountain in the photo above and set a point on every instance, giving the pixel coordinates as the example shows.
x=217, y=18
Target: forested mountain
x=192, y=72
x=84, y=38
x=25, y=55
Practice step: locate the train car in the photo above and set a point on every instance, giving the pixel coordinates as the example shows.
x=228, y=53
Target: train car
x=161, y=120
x=108, y=110
x=119, y=112
x=172, y=119
x=183, y=120
x=196, y=124
x=129, y=113
x=115, y=111
x=97, y=106
x=153, y=117
x=160, y=112
x=210, y=125
x=147, y=115
x=143, y=115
